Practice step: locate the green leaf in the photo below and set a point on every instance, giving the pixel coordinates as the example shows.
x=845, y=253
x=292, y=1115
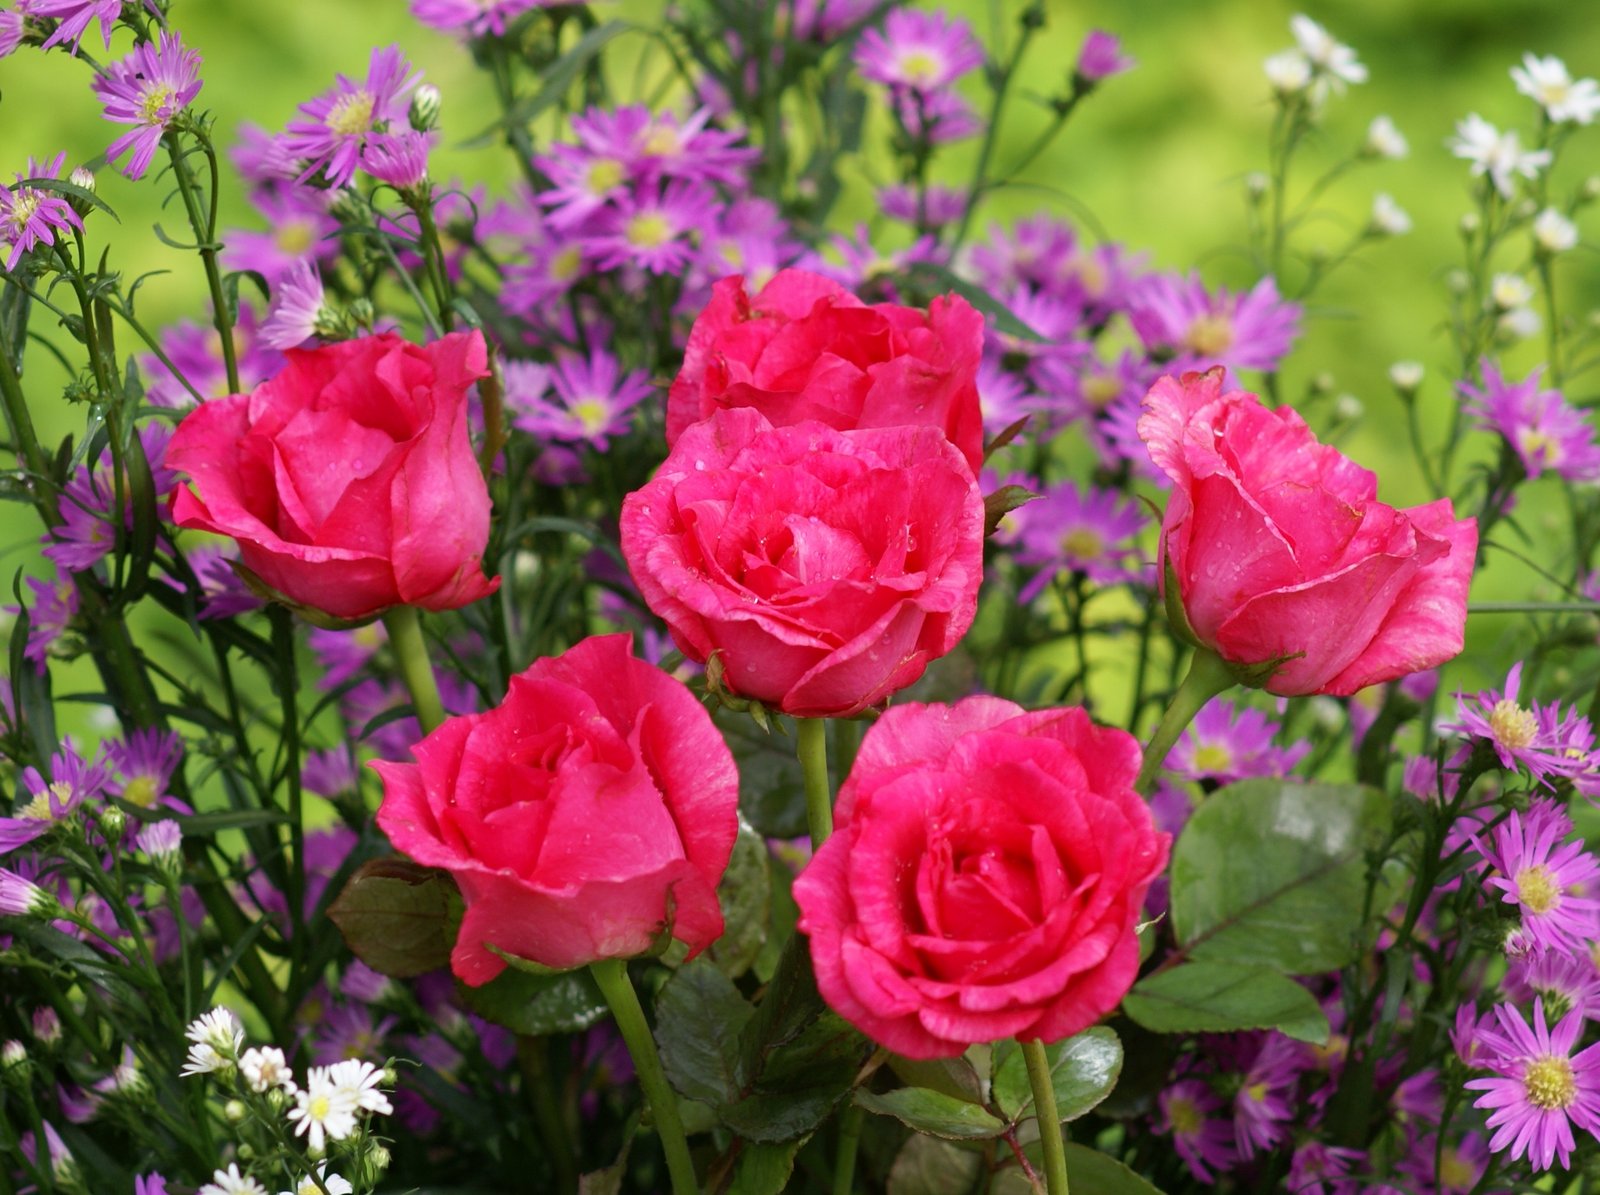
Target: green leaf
x=781, y=921
x=745, y=894
x=955, y=1077
x=1000, y=317
x=558, y=76
x=764, y=1168
x=538, y=1004
x=146, y=518
x=204, y=825
x=1221, y=997
x=934, y=1113
x=395, y=916
x=1083, y=1070
x=772, y=788
x=699, y=1014
x=1273, y=873
x=1095, y=1173
x=800, y=1081
x=929, y=1166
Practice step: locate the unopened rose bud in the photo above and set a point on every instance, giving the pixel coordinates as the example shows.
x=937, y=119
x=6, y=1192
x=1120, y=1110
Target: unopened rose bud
x=425, y=104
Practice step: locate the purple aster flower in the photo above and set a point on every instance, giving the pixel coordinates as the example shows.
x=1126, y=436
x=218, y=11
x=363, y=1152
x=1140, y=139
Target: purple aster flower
x=591, y=401
x=160, y=840
x=325, y=852
x=1180, y=318
x=1563, y=981
x=261, y=158
x=472, y=18
x=862, y=262
x=333, y=128
x=342, y=654
x=1314, y=1164
x=824, y=20
x=55, y=605
x=86, y=532
x=1083, y=531
x=149, y=1184
x=399, y=159
x=1461, y=1164
x=919, y=51
x=937, y=117
x=653, y=145
x=1543, y=876
x=1003, y=396
x=331, y=774
x=75, y=16
x=1466, y=1035
x=936, y=207
x=298, y=228
x=361, y=982
x=1203, y=1139
x=1518, y=735
x=222, y=593
x=147, y=89
x=1539, y=1088
x=30, y=216
x=20, y=896
x=350, y=1031
x=1264, y=1107
x=11, y=23
x=652, y=229
x=1422, y=778
x=1546, y=433
x=143, y=765
x=297, y=305
x=196, y=352
x=73, y=780
x=1227, y=742
x=1101, y=57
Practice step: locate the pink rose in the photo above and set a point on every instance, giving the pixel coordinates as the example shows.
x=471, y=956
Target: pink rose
x=806, y=348
x=984, y=878
x=825, y=569
x=593, y=808
x=348, y=479
x=1282, y=551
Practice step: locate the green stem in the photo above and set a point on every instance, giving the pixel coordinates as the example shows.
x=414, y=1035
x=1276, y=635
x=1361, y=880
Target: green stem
x=288, y=694
x=812, y=747
x=1044, y=1103
x=205, y=231
x=844, y=1166
x=411, y=653
x=612, y=977
x=534, y=1062
x=1208, y=675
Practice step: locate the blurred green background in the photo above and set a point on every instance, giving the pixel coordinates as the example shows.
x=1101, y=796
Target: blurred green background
x=1158, y=156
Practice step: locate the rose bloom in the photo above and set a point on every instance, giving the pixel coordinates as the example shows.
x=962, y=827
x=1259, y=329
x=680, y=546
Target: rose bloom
x=805, y=348
x=348, y=479
x=1282, y=551
x=824, y=569
x=984, y=878
x=593, y=808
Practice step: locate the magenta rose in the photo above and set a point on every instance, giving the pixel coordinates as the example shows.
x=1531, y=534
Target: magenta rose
x=591, y=810
x=348, y=479
x=984, y=878
x=824, y=569
x=1282, y=551
x=805, y=348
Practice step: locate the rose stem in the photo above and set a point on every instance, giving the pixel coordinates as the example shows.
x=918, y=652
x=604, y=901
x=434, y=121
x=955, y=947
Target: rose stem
x=812, y=748
x=1207, y=677
x=611, y=975
x=1044, y=1103
x=411, y=653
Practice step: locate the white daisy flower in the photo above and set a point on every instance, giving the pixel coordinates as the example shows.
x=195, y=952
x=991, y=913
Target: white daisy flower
x=331, y=1183
x=231, y=1182
x=322, y=1113
x=1388, y=217
x=219, y=1030
x=358, y=1081
x=1563, y=98
x=1329, y=58
x=1553, y=232
x=264, y=1068
x=1497, y=154
x=1384, y=140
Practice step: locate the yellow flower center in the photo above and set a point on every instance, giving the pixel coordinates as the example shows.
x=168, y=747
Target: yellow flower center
x=23, y=204
x=153, y=102
x=140, y=791
x=592, y=414
x=318, y=1107
x=1256, y=1092
x=648, y=230
x=564, y=266
x=603, y=175
x=1455, y=1172
x=1213, y=757
x=1185, y=1117
x=1210, y=335
x=662, y=141
x=351, y=113
x=1091, y=275
x=919, y=68
x=1512, y=725
x=1083, y=544
x=295, y=238
x=1537, y=888
x=1549, y=1083
x=1098, y=391
x=36, y=810
x=1540, y=445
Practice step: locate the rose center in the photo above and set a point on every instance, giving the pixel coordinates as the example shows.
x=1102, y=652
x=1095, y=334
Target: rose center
x=153, y=104
x=648, y=230
x=351, y=113
x=1185, y=1117
x=1537, y=889
x=1512, y=725
x=1213, y=757
x=1549, y=1083
x=920, y=68
x=1209, y=335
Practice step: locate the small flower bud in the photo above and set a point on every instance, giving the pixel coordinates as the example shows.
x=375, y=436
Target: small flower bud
x=1255, y=185
x=425, y=104
x=1348, y=408
x=1458, y=282
x=1406, y=376
x=1289, y=72
x=81, y=176
x=1469, y=225
x=1520, y=323
x=1322, y=383
x=112, y=822
x=12, y=1053
x=1388, y=218
x=235, y=1111
x=1526, y=209
x=1509, y=290
x=46, y=1026
x=1384, y=140
x=1553, y=233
